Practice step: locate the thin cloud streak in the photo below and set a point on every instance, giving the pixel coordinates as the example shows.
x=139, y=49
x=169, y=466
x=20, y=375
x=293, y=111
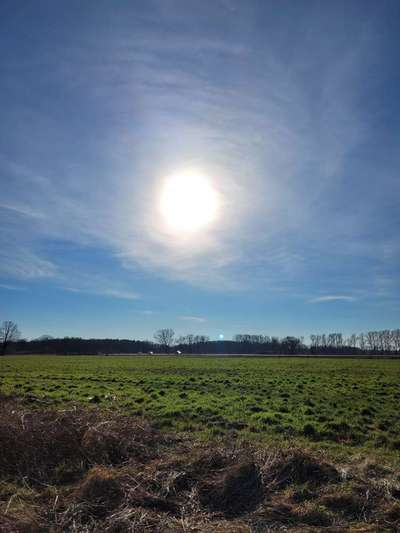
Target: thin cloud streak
x=111, y=293
x=332, y=298
x=22, y=210
x=11, y=287
x=21, y=262
x=198, y=319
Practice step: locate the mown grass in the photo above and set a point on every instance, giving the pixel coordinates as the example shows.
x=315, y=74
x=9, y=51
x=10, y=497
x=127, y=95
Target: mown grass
x=343, y=404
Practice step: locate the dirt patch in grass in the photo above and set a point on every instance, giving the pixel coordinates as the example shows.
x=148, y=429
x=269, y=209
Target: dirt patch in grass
x=87, y=471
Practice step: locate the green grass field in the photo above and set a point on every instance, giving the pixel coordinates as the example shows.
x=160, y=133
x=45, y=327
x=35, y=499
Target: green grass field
x=292, y=444
x=339, y=403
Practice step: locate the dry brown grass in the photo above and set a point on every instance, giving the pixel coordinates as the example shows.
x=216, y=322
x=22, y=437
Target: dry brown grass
x=86, y=471
x=236, y=490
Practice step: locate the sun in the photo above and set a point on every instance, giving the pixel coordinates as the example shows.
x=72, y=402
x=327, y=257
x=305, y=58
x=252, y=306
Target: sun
x=188, y=202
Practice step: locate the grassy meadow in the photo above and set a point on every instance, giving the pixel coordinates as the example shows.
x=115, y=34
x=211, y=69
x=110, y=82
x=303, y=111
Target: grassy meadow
x=335, y=403
x=206, y=444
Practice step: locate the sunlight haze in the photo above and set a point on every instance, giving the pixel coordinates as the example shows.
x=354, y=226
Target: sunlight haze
x=188, y=202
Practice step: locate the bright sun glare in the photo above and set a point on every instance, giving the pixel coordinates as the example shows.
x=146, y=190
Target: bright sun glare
x=188, y=202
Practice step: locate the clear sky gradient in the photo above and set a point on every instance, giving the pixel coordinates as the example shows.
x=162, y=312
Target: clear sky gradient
x=290, y=108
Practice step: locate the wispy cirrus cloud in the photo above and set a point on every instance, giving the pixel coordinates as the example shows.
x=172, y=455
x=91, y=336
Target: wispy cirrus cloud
x=111, y=293
x=274, y=130
x=20, y=261
x=8, y=287
x=332, y=298
x=21, y=210
x=189, y=318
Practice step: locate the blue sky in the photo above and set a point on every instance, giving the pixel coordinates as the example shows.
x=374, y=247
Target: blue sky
x=290, y=108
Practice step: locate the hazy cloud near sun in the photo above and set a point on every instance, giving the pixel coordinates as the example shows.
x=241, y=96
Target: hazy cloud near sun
x=275, y=132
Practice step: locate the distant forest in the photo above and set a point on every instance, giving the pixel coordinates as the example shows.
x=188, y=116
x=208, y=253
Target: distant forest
x=385, y=342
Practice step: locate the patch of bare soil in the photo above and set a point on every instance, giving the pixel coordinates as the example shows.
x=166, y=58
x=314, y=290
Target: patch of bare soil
x=82, y=470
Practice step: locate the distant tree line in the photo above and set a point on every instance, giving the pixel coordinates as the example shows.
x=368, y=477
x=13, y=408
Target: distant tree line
x=78, y=346
x=386, y=341
x=373, y=342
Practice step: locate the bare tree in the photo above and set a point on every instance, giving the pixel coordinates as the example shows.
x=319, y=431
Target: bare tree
x=165, y=337
x=370, y=340
x=9, y=332
x=362, y=341
x=387, y=340
x=353, y=340
x=396, y=339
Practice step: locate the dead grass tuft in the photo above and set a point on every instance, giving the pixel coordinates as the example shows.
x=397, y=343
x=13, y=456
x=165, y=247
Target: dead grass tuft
x=393, y=514
x=58, y=446
x=237, y=490
x=350, y=504
x=24, y=522
x=298, y=467
x=101, y=490
x=114, y=442
x=314, y=515
x=34, y=444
